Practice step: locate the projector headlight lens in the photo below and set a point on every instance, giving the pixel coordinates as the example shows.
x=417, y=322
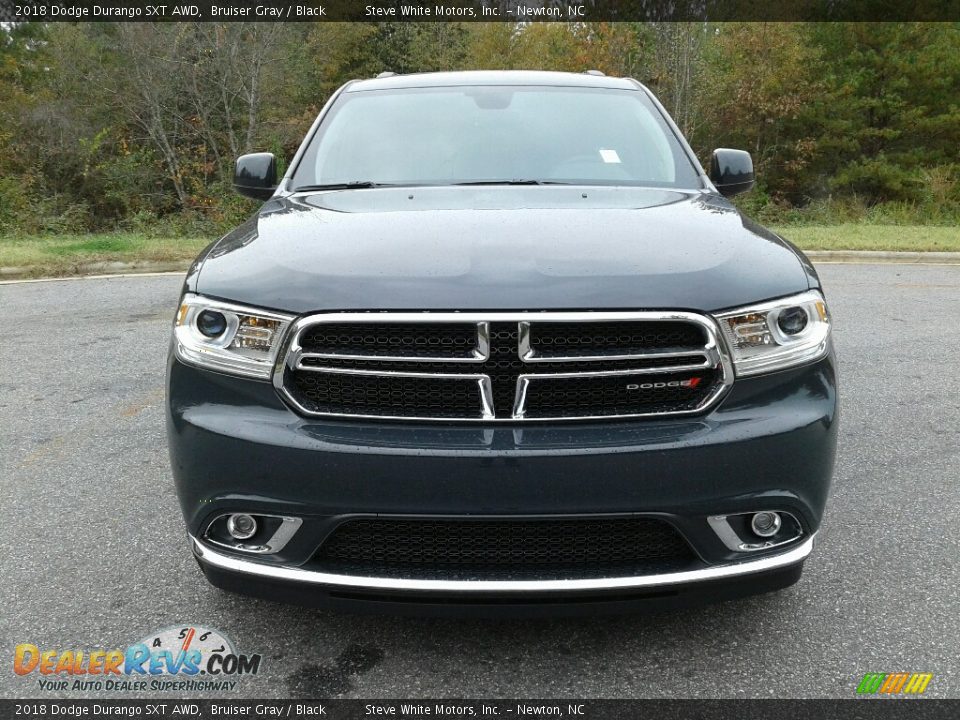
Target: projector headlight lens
x=211, y=323
x=776, y=335
x=792, y=321
x=228, y=338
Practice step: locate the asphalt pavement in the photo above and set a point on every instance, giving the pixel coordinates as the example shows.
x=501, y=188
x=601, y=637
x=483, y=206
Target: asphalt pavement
x=95, y=556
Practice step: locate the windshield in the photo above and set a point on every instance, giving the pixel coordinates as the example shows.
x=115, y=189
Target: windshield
x=492, y=134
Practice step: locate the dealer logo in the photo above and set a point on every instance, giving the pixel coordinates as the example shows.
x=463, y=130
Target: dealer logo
x=185, y=652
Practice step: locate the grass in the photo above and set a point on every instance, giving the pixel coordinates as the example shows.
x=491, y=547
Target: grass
x=857, y=236
x=56, y=255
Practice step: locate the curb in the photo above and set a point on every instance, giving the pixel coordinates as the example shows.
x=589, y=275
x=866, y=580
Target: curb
x=884, y=256
x=93, y=271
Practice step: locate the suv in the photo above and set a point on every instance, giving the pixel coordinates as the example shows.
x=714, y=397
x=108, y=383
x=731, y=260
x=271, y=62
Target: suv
x=496, y=340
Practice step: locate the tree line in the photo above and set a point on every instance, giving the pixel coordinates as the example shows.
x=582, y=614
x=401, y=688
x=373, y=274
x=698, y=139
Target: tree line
x=137, y=125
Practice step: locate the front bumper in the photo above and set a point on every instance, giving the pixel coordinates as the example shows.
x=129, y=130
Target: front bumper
x=235, y=446
x=515, y=598
x=210, y=557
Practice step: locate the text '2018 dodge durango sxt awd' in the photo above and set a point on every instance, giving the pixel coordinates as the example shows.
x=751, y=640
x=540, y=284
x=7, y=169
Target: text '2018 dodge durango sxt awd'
x=496, y=339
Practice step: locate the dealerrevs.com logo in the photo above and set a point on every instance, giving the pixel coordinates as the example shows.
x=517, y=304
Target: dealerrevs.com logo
x=186, y=658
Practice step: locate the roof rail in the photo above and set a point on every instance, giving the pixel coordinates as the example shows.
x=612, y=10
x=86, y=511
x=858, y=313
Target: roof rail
x=594, y=72
x=386, y=73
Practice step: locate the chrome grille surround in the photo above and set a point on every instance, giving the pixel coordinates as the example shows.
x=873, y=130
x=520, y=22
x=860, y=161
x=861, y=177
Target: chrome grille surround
x=711, y=356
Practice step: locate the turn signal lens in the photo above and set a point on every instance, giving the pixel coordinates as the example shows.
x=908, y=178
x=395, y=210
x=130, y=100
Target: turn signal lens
x=255, y=333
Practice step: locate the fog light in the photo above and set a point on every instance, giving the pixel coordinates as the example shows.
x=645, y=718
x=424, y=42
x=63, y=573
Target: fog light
x=244, y=527
x=765, y=524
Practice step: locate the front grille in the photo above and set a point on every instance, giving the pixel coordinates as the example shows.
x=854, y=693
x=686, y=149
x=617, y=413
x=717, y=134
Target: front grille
x=525, y=366
x=503, y=549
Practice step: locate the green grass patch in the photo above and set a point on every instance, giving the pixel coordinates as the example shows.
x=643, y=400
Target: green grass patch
x=97, y=245
x=857, y=236
x=53, y=255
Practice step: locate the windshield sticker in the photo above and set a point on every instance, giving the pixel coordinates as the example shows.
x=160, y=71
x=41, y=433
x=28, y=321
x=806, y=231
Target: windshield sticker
x=609, y=156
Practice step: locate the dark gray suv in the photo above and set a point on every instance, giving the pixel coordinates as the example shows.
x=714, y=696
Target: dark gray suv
x=496, y=340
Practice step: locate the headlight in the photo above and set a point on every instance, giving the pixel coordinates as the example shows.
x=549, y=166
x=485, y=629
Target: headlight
x=776, y=335
x=229, y=338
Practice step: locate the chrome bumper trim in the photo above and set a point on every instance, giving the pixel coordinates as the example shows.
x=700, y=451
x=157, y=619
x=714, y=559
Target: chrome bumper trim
x=294, y=574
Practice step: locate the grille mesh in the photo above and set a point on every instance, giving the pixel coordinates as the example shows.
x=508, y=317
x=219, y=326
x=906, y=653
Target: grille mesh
x=416, y=340
x=615, y=395
x=391, y=397
x=579, y=547
x=505, y=365
x=622, y=338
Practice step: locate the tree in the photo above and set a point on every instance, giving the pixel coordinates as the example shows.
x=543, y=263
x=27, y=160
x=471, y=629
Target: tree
x=760, y=81
x=890, y=107
x=676, y=70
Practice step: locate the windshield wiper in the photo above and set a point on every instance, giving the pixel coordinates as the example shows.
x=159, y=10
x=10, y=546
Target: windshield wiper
x=353, y=185
x=512, y=182
x=363, y=184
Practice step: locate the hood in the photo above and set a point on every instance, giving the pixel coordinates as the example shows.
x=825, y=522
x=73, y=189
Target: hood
x=500, y=248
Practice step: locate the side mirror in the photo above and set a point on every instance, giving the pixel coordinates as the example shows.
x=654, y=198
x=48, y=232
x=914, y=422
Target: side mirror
x=731, y=171
x=255, y=175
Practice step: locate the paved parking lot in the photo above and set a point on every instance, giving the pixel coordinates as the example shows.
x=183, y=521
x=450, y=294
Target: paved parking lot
x=94, y=553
